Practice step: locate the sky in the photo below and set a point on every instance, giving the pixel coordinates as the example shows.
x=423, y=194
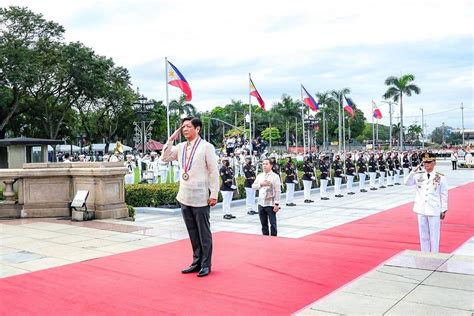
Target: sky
x=324, y=45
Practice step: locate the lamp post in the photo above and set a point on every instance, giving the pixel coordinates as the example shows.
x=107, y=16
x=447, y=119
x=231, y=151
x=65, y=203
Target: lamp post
x=142, y=107
x=309, y=122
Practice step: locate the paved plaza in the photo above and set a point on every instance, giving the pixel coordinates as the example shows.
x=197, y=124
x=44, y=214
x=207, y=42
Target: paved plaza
x=409, y=283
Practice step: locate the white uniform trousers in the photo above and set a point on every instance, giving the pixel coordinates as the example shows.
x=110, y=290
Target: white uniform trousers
x=226, y=199
x=307, y=189
x=163, y=175
x=389, y=177
x=372, y=176
x=290, y=192
x=382, y=178
x=129, y=178
x=429, y=229
x=406, y=171
x=396, y=177
x=337, y=185
x=250, y=199
x=350, y=181
x=361, y=181
x=323, y=188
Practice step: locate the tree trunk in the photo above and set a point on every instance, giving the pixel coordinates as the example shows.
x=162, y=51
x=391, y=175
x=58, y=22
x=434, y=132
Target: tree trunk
x=401, y=122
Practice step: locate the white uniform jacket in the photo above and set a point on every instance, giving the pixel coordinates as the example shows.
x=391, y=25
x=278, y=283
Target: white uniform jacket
x=431, y=194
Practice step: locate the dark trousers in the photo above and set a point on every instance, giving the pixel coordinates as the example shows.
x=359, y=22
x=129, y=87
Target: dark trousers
x=455, y=165
x=199, y=230
x=266, y=214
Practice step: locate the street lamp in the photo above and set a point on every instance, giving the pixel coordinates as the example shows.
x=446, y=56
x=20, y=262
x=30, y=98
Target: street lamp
x=142, y=107
x=310, y=123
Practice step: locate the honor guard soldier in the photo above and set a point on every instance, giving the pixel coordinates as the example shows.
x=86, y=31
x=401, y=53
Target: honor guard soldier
x=249, y=174
x=414, y=160
x=382, y=170
x=390, y=165
x=372, y=171
x=398, y=166
x=290, y=182
x=337, y=165
x=350, y=172
x=405, y=164
x=308, y=177
x=431, y=201
x=324, y=169
x=275, y=165
x=361, y=170
x=227, y=187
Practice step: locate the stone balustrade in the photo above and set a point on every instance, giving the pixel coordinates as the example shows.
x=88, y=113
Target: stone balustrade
x=46, y=189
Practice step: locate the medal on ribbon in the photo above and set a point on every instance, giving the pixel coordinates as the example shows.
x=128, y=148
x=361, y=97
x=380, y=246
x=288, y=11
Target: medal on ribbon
x=187, y=164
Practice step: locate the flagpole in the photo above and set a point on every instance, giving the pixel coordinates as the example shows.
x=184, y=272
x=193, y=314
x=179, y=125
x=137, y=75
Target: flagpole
x=302, y=120
x=296, y=134
x=167, y=101
x=343, y=132
x=250, y=118
x=377, y=131
x=373, y=127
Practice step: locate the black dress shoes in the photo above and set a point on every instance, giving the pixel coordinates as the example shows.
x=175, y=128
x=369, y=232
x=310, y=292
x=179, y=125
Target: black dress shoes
x=290, y=204
x=373, y=189
x=252, y=212
x=192, y=268
x=363, y=190
x=339, y=195
x=325, y=198
x=203, y=272
x=351, y=193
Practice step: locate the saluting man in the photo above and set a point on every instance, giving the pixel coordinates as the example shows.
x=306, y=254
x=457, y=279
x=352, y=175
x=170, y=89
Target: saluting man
x=308, y=177
x=361, y=169
x=250, y=174
x=290, y=181
x=431, y=201
x=350, y=171
x=324, y=169
x=337, y=164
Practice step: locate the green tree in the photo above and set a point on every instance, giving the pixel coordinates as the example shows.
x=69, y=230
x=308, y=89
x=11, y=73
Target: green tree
x=271, y=134
x=338, y=96
x=414, y=131
x=397, y=88
x=179, y=108
x=22, y=35
x=287, y=110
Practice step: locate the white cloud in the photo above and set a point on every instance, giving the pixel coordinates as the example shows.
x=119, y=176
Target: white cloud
x=280, y=42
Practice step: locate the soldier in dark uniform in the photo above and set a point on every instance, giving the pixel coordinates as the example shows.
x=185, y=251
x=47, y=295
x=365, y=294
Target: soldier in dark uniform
x=361, y=170
x=324, y=169
x=414, y=160
x=337, y=164
x=390, y=166
x=276, y=165
x=405, y=164
x=308, y=177
x=227, y=187
x=372, y=171
x=397, y=164
x=290, y=181
x=382, y=169
x=249, y=174
x=350, y=172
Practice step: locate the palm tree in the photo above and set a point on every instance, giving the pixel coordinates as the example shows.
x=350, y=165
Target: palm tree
x=415, y=130
x=338, y=95
x=287, y=108
x=180, y=107
x=397, y=88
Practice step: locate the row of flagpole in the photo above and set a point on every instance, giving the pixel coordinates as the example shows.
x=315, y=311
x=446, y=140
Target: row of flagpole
x=174, y=77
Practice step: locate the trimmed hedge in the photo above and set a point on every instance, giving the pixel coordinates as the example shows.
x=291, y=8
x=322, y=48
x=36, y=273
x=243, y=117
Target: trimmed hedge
x=151, y=194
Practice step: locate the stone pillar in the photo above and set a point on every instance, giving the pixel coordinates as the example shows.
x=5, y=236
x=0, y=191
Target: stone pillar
x=9, y=194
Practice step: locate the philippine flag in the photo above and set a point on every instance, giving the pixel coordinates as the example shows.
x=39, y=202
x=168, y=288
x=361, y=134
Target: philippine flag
x=309, y=100
x=349, y=106
x=377, y=114
x=175, y=78
x=254, y=92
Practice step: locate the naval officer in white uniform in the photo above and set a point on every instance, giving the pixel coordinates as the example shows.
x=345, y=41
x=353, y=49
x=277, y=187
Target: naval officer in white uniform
x=431, y=201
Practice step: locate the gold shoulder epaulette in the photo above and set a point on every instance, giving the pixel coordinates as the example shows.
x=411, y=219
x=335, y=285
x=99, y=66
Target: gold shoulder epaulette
x=439, y=173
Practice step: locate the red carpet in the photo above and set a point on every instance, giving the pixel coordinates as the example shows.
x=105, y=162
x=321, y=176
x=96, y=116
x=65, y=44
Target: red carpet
x=251, y=274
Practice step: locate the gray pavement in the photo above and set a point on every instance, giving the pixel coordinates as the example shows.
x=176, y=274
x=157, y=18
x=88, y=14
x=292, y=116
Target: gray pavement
x=35, y=244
